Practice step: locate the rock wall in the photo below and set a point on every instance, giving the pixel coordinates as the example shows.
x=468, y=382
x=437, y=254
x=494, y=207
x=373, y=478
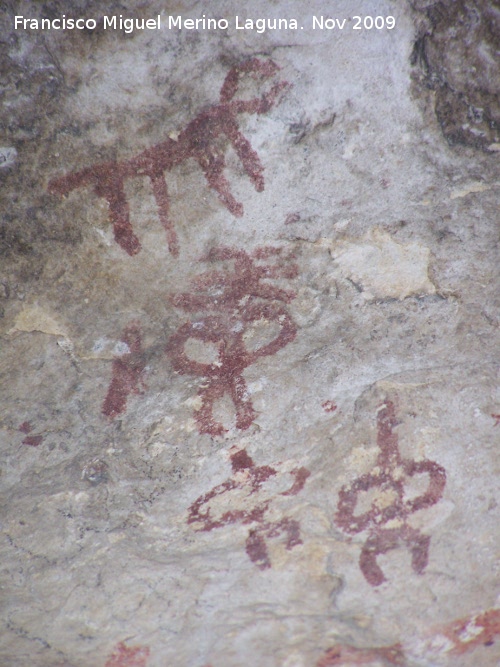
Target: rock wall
x=249, y=323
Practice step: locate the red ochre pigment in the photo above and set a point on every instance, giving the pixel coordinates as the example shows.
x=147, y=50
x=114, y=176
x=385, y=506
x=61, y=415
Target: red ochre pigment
x=127, y=373
x=260, y=530
x=201, y=141
x=128, y=656
x=349, y=655
x=465, y=635
x=391, y=473
x=227, y=304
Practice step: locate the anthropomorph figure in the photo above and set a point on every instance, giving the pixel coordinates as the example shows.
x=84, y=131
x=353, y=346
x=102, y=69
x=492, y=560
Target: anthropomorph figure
x=387, y=519
x=228, y=303
x=249, y=506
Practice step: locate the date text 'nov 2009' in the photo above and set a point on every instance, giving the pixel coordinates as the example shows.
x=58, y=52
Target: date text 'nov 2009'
x=358, y=23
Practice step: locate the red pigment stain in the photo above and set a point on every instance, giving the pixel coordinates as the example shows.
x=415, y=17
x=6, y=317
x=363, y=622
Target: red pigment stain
x=200, y=140
x=478, y=629
x=127, y=373
x=389, y=476
x=226, y=304
x=465, y=634
x=25, y=427
x=329, y=406
x=33, y=440
x=291, y=218
x=251, y=478
x=128, y=656
x=350, y=655
x=496, y=418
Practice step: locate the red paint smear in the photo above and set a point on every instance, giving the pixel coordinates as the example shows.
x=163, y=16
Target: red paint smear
x=488, y=621
x=388, y=478
x=128, y=656
x=227, y=304
x=261, y=530
x=349, y=655
x=127, y=373
x=291, y=218
x=200, y=141
x=329, y=406
x=33, y=440
x=497, y=419
x=25, y=427
x=240, y=460
x=300, y=474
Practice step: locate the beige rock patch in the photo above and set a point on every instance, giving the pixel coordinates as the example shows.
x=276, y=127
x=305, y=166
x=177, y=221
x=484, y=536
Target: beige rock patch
x=469, y=188
x=36, y=318
x=383, y=267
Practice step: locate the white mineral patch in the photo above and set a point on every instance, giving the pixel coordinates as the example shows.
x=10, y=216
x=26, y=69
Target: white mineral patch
x=8, y=157
x=121, y=348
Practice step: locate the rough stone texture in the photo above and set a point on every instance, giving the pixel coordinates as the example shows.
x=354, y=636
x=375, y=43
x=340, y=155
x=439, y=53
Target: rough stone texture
x=249, y=339
x=457, y=52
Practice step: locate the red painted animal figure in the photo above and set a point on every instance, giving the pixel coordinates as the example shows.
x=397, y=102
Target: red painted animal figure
x=251, y=479
x=200, y=140
x=387, y=522
x=227, y=304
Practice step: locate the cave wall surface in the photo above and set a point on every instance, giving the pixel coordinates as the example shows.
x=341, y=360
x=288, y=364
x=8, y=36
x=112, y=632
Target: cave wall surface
x=249, y=337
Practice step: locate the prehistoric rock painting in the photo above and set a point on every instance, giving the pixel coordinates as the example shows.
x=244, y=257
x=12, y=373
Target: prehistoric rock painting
x=31, y=440
x=387, y=519
x=227, y=305
x=127, y=372
x=453, y=639
x=251, y=479
x=128, y=656
x=350, y=655
x=475, y=630
x=200, y=140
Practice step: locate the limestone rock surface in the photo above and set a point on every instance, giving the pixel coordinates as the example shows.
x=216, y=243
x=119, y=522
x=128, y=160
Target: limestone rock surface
x=249, y=336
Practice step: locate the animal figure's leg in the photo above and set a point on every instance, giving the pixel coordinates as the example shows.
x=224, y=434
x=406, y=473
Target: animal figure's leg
x=107, y=181
x=112, y=189
x=249, y=158
x=119, y=213
x=160, y=192
x=213, y=167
